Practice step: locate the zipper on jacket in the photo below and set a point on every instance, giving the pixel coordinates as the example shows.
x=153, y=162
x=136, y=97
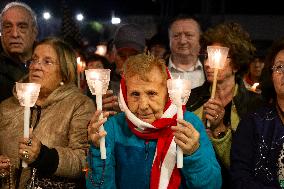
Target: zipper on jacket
x=146, y=149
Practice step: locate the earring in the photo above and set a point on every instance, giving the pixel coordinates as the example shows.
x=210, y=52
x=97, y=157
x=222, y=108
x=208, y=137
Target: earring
x=61, y=83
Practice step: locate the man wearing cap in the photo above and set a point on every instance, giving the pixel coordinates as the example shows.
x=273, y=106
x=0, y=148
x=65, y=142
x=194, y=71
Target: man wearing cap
x=129, y=40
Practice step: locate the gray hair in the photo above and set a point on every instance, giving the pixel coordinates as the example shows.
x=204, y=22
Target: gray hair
x=22, y=5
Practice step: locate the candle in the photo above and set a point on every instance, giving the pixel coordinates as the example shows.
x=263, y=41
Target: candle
x=98, y=80
x=101, y=50
x=98, y=88
x=217, y=56
x=27, y=94
x=179, y=91
x=79, y=69
x=253, y=88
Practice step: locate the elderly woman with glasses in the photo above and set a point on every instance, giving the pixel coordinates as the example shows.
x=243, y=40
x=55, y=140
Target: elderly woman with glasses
x=55, y=151
x=257, y=156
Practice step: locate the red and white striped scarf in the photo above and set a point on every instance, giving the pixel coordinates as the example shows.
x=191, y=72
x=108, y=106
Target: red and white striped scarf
x=164, y=173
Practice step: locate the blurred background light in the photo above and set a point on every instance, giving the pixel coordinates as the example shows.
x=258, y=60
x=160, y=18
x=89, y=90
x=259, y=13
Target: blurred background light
x=80, y=17
x=46, y=15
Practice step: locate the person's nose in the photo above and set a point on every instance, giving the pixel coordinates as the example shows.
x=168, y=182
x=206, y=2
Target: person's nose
x=257, y=64
x=183, y=38
x=144, y=102
x=206, y=63
x=35, y=65
x=15, y=32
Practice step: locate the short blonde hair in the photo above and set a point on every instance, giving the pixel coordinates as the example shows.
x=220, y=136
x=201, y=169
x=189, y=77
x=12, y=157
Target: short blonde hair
x=142, y=64
x=66, y=56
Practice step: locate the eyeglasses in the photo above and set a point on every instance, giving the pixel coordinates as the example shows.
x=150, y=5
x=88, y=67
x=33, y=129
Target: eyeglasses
x=45, y=62
x=278, y=68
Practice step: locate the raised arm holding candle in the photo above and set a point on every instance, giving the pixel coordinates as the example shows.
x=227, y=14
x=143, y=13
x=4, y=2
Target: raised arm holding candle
x=231, y=101
x=179, y=91
x=217, y=56
x=141, y=142
x=27, y=94
x=98, y=81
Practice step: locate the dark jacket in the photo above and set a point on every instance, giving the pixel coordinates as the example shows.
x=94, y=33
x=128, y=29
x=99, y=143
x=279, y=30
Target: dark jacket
x=10, y=72
x=198, y=96
x=256, y=147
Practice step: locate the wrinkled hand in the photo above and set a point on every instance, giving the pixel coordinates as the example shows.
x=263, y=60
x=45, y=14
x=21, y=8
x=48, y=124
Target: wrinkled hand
x=4, y=162
x=29, y=148
x=4, y=166
x=186, y=137
x=214, y=112
x=94, y=134
x=110, y=103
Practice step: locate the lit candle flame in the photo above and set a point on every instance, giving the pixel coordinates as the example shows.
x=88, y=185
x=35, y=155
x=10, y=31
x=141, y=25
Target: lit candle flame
x=179, y=83
x=217, y=58
x=95, y=76
x=253, y=88
x=101, y=50
x=79, y=64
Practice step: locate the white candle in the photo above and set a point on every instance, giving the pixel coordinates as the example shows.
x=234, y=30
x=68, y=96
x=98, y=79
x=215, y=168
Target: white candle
x=79, y=69
x=27, y=114
x=98, y=80
x=179, y=91
x=27, y=94
x=98, y=88
x=178, y=84
x=216, y=56
x=179, y=116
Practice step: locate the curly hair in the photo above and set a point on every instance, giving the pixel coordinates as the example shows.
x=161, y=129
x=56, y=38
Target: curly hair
x=233, y=36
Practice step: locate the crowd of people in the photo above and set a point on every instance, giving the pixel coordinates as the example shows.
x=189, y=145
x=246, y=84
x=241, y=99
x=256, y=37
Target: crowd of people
x=234, y=140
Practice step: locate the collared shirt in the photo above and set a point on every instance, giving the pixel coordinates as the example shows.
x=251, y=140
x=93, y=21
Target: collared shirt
x=195, y=74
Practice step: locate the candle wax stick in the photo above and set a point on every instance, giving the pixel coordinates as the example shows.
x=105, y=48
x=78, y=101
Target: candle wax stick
x=213, y=90
x=179, y=116
x=79, y=80
x=214, y=83
x=98, y=86
x=27, y=113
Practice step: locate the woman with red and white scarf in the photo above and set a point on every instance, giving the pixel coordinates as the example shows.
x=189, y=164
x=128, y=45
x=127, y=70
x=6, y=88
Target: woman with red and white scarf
x=141, y=141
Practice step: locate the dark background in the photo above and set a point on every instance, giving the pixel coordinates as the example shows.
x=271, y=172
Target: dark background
x=264, y=19
x=101, y=9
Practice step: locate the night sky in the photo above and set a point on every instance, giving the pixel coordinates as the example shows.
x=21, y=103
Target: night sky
x=101, y=9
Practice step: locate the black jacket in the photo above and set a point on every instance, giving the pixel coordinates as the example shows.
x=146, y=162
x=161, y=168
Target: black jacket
x=10, y=72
